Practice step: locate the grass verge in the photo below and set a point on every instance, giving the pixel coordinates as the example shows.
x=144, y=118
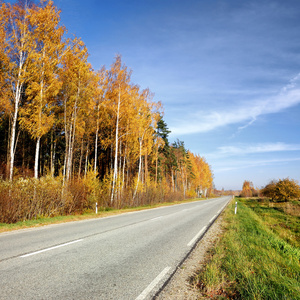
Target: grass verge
x=42, y=221
x=254, y=259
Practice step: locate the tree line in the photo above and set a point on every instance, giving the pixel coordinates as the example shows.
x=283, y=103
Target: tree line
x=61, y=118
x=285, y=189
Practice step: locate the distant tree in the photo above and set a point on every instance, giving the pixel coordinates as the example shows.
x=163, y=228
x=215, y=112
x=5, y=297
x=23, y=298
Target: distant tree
x=201, y=176
x=269, y=190
x=248, y=189
x=282, y=190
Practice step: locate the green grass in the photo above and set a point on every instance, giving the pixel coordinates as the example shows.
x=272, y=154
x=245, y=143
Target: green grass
x=254, y=259
x=282, y=218
x=102, y=212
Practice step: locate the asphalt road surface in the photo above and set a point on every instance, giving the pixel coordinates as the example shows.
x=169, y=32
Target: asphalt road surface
x=129, y=256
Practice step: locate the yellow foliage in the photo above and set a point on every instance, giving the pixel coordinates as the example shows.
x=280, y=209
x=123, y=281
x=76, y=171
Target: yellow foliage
x=93, y=116
x=282, y=190
x=203, y=177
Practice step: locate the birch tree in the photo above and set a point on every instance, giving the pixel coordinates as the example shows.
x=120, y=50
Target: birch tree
x=18, y=46
x=98, y=108
x=146, y=118
x=118, y=80
x=36, y=115
x=75, y=73
x=203, y=179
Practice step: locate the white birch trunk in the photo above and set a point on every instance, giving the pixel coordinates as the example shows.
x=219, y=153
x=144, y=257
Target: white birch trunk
x=123, y=171
x=96, y=142
x=36, y=162
x=140, y=166
x=17, y=98
x=52, y=155
x=86, y=159
x=120, y=168
x=96, y=149
x=67, y=141
x=12, y=139
x=72, y=138
x=116, y=151
x=80, y=160
x=37, y=150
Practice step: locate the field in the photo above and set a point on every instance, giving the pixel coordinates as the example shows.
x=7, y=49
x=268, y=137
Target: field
x=258, y=255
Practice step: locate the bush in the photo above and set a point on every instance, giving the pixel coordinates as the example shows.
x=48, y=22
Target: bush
x=282, y=190
x=25, y=199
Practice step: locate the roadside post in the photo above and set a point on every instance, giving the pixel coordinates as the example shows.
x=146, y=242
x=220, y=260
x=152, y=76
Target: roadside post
x=96, y=207
x=235, y=210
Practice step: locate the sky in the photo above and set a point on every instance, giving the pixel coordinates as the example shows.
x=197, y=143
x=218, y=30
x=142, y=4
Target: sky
x=226, y=72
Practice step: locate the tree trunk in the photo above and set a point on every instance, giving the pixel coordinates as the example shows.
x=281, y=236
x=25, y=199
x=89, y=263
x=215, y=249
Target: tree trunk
x=172, y=178
x=67, y=141
x=156, y=166
x=146, y=168
x=69, y=150
x=8, y=147
x=96, y=148
x=13, y=132
x=120, y=168
x=123, y=171
x=36, y=161
x=80, y=160
x=140, y=167
x=96, y=140
x=38, y=140
x=52, y=155
x=115, y=175
x=86, y=159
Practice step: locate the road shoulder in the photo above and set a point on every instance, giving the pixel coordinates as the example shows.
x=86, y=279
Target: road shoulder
x=179, y=286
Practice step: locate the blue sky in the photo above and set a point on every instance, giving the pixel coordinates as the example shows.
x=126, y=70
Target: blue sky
x=227, y=73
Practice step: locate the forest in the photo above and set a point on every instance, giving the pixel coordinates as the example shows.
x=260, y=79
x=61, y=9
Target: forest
x=71, y=136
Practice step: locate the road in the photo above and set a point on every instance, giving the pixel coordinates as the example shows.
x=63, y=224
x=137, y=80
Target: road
x=129, y=256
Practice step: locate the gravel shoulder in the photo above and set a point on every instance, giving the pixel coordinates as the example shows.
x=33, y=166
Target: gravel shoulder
x=179, y=286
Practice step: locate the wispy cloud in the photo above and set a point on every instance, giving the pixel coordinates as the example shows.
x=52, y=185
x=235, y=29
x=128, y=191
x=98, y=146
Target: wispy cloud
x=253, y=164
x=259, y=148
x=247, y=112
x=241, y=150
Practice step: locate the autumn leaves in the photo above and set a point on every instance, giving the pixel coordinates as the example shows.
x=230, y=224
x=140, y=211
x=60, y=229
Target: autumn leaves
x=81, y=120
x=32, y=49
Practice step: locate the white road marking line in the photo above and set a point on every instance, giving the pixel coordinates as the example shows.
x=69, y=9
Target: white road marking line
x=156, y=218
x=212, y=218
x=196, y=237
x=152, y=285
x=51, y=248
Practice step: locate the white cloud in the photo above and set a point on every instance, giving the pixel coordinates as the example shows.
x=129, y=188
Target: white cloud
x=237, y=165
x=259, y=148
x=247, y=112
x=242, y=150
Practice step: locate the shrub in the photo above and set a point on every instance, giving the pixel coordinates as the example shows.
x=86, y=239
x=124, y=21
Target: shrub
x=25, y=199
x=282, y=190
